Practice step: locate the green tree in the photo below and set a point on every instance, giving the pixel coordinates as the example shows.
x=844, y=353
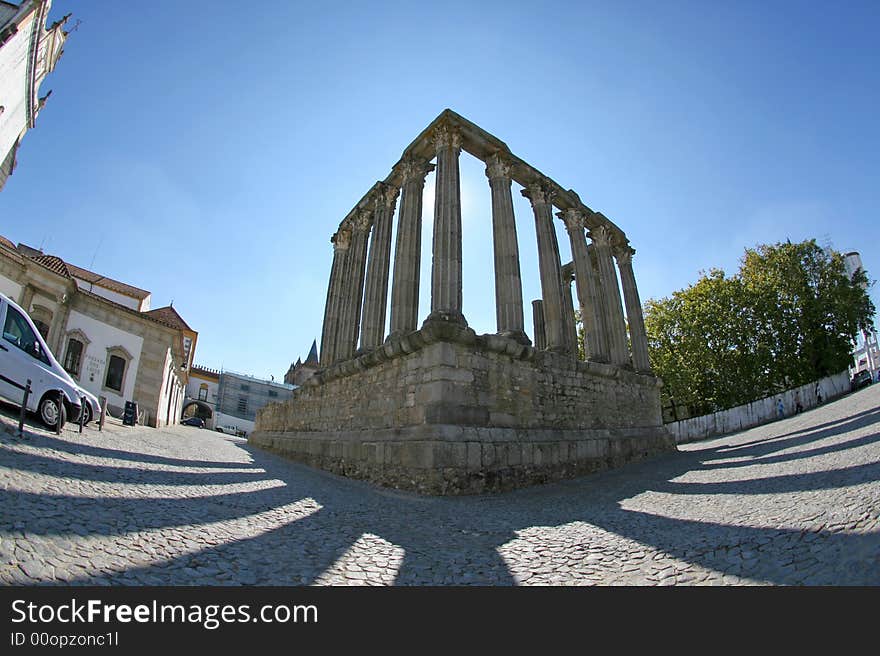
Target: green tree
x=788, y=317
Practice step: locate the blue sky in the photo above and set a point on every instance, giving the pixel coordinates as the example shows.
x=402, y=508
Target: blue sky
x=206, y=151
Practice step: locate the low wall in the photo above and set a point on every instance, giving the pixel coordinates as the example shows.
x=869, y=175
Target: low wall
x=758, y=412
x=444, y=411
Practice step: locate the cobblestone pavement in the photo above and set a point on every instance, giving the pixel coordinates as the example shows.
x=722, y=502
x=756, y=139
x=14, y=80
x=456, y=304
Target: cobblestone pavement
x=794, y=502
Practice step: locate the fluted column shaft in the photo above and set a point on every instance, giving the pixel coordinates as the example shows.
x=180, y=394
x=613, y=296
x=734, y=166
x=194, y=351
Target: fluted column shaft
x=548, y=265
x=638, y=336
x=341, y=241
x=378, y=267
x=615, y=325
x=585, y=285
x=568, y=310
x=353, y=286
x=508, y=283
x=446, y=268
x=538, y=321
x=407, y=251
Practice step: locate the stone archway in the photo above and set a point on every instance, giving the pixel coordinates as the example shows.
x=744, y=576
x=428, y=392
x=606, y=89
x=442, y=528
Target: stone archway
x=197, y=409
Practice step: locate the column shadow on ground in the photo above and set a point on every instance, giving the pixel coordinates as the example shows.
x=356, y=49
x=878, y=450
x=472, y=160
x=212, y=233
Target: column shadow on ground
x=457, y=540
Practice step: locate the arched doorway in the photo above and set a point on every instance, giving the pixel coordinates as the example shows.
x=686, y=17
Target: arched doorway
x=198, y=409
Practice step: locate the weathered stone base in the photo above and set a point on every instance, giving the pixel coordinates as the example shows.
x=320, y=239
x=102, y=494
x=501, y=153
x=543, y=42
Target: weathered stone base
x=453, y=460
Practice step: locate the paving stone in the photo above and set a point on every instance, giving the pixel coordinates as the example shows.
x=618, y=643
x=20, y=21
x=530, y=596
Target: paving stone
x=783, y=504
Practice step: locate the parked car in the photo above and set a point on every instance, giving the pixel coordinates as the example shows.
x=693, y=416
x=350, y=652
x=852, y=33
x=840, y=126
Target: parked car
x=24, y=356
x=198, y=422
x=91, y=408
x=861, y=379
x=227, y=430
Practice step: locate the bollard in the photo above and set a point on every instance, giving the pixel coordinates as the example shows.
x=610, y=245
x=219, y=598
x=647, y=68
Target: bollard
x=103, y=414
x=27, y=393
x=82, y=412
x=60, y=410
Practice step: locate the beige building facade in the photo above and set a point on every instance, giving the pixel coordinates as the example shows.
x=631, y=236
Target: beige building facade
x=104, y=332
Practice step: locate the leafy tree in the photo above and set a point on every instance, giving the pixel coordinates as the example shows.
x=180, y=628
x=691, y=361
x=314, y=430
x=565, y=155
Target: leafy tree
x=789, y=316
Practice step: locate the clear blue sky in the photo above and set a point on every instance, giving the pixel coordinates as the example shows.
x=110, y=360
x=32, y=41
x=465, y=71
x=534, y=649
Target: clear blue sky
x=206, y=151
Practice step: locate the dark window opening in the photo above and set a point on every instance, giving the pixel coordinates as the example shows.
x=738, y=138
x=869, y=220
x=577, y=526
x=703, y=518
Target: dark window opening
x=115, y=373
x=73, y=359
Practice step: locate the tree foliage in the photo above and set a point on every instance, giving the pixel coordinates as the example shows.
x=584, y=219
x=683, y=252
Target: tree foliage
x=789, y=316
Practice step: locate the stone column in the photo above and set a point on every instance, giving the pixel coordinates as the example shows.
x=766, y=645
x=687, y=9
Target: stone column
x=548, y=264
x=378, y=266
x=446, y=262
x=614, y=322
x=508, y=284
x=538, y=321
x=27, y=297
x=585, y=284
x=340, y=241
x=638, y=337
x=407, y=252
x=568, y=309
x=350, y=316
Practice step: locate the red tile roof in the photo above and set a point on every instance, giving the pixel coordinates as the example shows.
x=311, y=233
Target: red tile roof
x=107, y=283
x=168, y=315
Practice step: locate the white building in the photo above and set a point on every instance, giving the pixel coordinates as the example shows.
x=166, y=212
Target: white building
x=28, y=53
x=103, y=332
x=202, y=394
x=866, y=354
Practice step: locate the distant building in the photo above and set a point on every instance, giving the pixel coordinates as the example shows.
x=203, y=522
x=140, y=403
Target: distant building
x=28, y=53
x=202, y=393
x=300, y=371
x=103, y=332
x=866, y=354
x=239, y=397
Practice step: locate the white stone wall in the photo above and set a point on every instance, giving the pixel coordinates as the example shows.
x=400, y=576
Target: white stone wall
x=116, y=297
x=94, y=366
x=757, y=412
x=13, y=87
x=11, y=288
x=171, y=394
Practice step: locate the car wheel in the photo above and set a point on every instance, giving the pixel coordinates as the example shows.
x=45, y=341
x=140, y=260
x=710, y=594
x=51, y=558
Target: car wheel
x=87, y=413
x=50, y=413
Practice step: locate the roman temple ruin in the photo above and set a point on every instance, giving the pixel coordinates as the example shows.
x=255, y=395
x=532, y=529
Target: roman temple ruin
x=436, y=408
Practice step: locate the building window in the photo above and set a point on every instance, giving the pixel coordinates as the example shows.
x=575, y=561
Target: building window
x=242, y=404
x=73, y=359
x=43, y=327
x=203, y=392
x=115, y=373
x=245, y=388
x=117, y=368
x=273, y=393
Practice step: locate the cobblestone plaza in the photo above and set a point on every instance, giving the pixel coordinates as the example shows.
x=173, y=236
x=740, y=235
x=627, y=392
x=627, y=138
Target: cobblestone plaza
x=791, y=503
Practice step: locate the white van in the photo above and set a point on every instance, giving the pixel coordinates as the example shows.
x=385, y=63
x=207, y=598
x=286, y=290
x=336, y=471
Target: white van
x=24, y=356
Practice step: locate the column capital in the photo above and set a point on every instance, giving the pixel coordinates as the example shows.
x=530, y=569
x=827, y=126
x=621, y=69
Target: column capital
x=573, y=218
x=386, y=195
x=498, y=166
x=446, y=136
x=601, y=236
x=624, y=255
x=362, y=221
x=341, y=240
x=539, y=194
x=415, y=169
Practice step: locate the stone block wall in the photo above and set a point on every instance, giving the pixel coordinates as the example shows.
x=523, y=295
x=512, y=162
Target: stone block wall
x=444, y=411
